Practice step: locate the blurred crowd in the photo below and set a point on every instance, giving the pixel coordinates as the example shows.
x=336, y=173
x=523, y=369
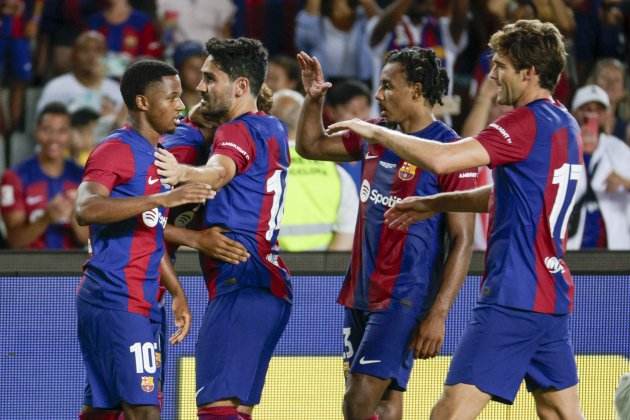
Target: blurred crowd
x=60, y=62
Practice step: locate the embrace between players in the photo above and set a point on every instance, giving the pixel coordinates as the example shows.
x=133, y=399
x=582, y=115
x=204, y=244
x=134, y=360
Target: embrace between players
x=402, y=279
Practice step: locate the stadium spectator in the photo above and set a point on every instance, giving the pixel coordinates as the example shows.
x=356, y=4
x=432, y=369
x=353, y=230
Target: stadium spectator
x=601, y=216
x=84, y=124
x=408, y=23
x=188, y=59
x=249, y=303
x=86, y=85
x=610, y=75
x=321, y=201
x=129, y=34
x=520, y=328
x=122, y=199
x=38, y=194
x=283, y=73
x=19, y=25
x=398, y=290
x=335, y=32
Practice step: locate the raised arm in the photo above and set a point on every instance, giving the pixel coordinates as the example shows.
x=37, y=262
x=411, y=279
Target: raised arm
x=388, y=20
x=312, y=142
x=94, y=204
x=431, y=330
x=440, y=158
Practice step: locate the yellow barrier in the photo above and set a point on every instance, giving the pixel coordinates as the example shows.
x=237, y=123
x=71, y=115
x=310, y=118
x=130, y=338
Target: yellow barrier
x=311, y=388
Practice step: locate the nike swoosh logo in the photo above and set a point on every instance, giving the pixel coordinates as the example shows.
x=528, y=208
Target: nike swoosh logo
x=32, y=200
x=369, y=156
x=364, y=361
x=152, y=180
x=199, y=391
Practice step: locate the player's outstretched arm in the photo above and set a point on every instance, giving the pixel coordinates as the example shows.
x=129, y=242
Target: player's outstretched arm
x=437, y=157
x=211, y=242
x=181, y=312
x=415, y=209
x=430, y=332
x=311, y=141
x=94, y=205
x=217, y=172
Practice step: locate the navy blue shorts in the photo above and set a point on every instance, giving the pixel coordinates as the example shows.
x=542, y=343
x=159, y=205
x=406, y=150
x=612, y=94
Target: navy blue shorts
x=119, y=352
x=503, y=346
x=16, y=54
x=377, y=343
x=238, y=335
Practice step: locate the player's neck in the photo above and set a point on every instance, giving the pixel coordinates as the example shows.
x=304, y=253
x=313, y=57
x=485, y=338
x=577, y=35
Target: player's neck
x=145, y=129
x=51, y=167
x=417, y=121
x=533, y=94
x=242, y=106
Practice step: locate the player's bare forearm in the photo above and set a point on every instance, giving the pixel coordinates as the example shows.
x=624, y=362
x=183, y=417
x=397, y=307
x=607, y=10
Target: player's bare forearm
x=461, y=232
x=168, y=278
x=209, y=174
x=470, y=201
x=81, y=233
x=181, y=236
x=311, y=140
x=94, y=205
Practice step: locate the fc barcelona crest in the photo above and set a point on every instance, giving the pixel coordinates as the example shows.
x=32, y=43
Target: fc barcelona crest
x=147, y=384
x=407, y=171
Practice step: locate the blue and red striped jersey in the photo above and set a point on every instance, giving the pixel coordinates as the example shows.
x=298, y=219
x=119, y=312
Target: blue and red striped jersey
x=123, y=271
x=386, y=263
x=27, y=188
x=536, y=154
x=136, y=36
x=251, y=204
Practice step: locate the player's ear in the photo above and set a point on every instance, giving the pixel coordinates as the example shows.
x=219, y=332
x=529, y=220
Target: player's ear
x=242, y=86
x=142, y=103
x=417, y=91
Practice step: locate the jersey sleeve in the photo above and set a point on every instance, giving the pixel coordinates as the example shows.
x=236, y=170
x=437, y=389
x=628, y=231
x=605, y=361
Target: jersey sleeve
x=12, y=193
x=510, y=138
x=234, y=141
x=110, y=164
x=459, y=181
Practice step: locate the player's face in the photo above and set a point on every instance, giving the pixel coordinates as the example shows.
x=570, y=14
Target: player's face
x=164, y=104
x=53, y=136
x=511, y=82
x=395, y=95
x=216, y=89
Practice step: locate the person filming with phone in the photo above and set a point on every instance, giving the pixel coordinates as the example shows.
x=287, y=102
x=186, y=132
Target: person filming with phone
x=601, y=216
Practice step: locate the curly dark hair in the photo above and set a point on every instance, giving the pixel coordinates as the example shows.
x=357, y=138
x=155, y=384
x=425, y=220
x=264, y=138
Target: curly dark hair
x=422, y=66
x=139, y=76
x=240, y=57
x=532, y=43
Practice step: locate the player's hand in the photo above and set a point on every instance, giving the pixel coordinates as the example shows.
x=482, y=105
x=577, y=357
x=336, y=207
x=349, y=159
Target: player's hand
x=181, y=314
x=197, y=116
x=408, y=211
x=215, y=244
x=169, y=169
x=364, y=129
x=195, y=192
x=312, y=76
x=429, y=336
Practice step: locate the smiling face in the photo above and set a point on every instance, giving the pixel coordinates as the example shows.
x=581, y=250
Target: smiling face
x=53, y=136
x=164, y=104
x=395, y=95
x=216, y=89
x=510, y=82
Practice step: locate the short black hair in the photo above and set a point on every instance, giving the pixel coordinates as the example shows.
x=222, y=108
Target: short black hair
x=83, y=116
x=139, y=76
x=342, y=92
x=240, y=57
x=56, y=108
x=422, y=66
